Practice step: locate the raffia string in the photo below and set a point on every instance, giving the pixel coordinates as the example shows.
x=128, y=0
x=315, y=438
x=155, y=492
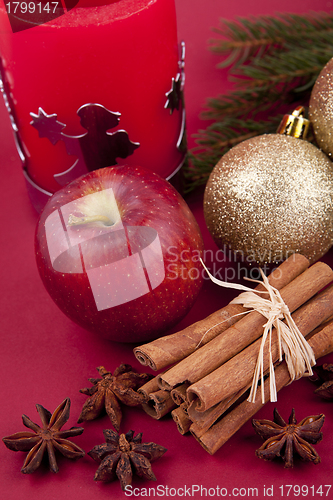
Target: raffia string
x=299, y=355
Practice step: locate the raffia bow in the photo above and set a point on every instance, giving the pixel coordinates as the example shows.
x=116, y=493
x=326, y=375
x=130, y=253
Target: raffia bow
x=299, y=355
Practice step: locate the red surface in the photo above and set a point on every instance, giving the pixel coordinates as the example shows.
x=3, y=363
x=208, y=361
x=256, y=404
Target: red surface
x=44, y=357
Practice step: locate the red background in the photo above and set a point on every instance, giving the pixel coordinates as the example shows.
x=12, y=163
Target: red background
x=44, y=357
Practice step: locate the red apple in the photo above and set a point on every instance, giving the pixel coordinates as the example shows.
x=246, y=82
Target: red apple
x=118, y=251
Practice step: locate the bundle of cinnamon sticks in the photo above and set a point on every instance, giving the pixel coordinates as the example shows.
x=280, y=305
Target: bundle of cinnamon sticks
x=209, y=365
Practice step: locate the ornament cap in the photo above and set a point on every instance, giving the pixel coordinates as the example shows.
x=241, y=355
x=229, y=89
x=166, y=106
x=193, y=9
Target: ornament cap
x=295, y=124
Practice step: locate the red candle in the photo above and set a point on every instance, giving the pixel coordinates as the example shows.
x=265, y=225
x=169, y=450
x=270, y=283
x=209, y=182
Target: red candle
x=121, y=55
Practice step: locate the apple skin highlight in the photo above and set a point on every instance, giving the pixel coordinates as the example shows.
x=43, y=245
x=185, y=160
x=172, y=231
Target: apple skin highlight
x=130, y=279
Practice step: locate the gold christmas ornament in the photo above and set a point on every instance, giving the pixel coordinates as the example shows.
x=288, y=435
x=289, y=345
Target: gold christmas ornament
x=321, y=109
x=271, y=196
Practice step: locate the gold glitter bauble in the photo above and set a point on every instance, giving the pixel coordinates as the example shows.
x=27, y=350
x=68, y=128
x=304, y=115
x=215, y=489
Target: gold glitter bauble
x=321, y=109
x=271, y=196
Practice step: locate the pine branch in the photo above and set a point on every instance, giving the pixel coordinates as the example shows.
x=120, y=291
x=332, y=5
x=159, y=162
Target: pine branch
x=284, y=66
x=252, y=36
x=249, y=102
x=275, y=63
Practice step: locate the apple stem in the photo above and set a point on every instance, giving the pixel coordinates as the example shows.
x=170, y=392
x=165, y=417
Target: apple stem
x=76, y=221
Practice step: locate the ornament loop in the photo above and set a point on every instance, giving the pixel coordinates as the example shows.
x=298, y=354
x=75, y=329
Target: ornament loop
x=295, y=124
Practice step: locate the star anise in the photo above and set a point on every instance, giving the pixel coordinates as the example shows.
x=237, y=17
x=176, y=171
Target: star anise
x=123, y=454
x=106, y=392
x=324, y=374
x=284, y=439
x=48, y=437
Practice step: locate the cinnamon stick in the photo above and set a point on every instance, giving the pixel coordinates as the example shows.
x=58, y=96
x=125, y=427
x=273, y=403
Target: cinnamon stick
x=203, y=420
x=248, y=329
x=183, y=406
x=181, y=419
x=159, y=404
x=178, y=394
x=149, y=387
x=220, y=432
x=170, y=349
x=237, y=373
